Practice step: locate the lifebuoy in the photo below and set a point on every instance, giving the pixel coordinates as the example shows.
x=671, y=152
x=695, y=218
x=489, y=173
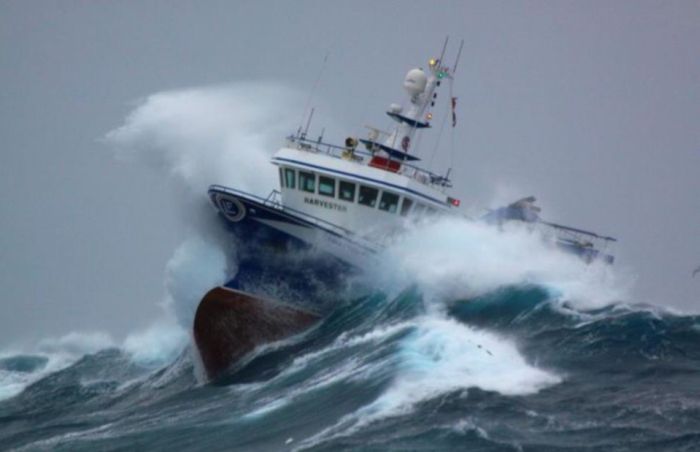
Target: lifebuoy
x=232, y=208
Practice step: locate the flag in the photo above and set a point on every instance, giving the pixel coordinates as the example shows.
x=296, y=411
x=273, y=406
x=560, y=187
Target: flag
x=454, y=115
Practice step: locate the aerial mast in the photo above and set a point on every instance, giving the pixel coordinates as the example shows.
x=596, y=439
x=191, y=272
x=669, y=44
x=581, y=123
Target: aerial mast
x=420, y=87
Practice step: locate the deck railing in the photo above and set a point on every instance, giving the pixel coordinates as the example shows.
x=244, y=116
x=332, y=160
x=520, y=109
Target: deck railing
x=421, y=175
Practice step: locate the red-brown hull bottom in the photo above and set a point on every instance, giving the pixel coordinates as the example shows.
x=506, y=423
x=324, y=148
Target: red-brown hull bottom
x=229, y=324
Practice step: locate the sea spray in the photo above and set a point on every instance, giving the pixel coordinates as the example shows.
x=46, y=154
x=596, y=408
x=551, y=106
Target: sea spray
x=456, y=258
x=210, y=135
x=156, y=346
x=196, y=267
x=198, y=137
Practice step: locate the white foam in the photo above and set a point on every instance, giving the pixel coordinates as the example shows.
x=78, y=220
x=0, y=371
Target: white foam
x=443, y=355
x=60, y=352
x=345, y=341
x=463, y=426
x=13, y=383
x=456, y=258
x=440, y=357
x=349, y=369
x=76, y=344
x=196, y=266
x=157, y=346
x=266, y=408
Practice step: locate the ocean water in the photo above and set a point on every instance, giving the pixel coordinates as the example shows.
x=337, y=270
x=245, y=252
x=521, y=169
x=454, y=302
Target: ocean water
x=458, y=337
x=514, y=368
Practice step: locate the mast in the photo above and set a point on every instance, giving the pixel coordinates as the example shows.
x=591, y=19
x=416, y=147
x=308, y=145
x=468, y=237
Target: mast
x=421, y=88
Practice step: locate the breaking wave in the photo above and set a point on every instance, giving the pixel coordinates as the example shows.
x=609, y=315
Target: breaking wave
x=513, y=368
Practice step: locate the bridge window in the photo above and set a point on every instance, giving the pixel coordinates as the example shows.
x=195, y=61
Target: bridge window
x=389, y=202
x=418, y=210
x=406, y=206
x=307, y=181
x=346, y=191
x=290, y=178
x=326, y=186
x=368, y=196
x=281, y=178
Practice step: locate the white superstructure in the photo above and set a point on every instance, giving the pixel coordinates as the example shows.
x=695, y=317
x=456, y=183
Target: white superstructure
x=366, y=190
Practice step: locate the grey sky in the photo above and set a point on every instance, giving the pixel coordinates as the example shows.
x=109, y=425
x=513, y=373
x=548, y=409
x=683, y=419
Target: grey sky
x=591, y=106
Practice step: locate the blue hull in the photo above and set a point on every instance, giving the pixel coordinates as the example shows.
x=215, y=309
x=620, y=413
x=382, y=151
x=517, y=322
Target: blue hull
x=282, y=287
x=272, y=262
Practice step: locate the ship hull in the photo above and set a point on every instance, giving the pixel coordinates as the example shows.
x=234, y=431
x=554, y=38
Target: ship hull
x=265, y=223
x=229, y=324
x=287, y=267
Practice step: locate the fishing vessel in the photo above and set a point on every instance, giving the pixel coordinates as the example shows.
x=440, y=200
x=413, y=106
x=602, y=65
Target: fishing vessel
x=336, y=207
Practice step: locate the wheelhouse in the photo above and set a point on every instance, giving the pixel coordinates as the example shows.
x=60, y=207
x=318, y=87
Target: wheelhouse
x=354, y=189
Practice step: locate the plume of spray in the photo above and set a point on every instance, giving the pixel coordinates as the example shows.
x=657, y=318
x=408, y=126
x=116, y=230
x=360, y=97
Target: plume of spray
x=455, y=258
x=197, y=137
x=201, y=136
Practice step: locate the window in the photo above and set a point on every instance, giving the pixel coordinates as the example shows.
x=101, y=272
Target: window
x=406, y=206
x=389, y=202
x=307, y=181
x=346, y=191
x=281, y=178
x=368, y=196
x=326, y=186
x=290, y=179
x=418, y=210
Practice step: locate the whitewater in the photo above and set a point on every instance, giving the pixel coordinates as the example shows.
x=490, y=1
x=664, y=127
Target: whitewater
x=459, y=336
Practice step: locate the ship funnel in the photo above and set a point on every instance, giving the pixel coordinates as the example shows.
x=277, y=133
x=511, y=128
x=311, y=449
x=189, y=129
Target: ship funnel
x=415, y=81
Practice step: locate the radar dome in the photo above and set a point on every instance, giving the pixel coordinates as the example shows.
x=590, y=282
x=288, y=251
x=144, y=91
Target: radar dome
x=415, y=81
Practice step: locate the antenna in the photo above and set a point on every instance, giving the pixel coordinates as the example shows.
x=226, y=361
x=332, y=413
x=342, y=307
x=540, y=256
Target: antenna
x=444, y=47
x=308, y=123
x=459, y=53
x=313, y=89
